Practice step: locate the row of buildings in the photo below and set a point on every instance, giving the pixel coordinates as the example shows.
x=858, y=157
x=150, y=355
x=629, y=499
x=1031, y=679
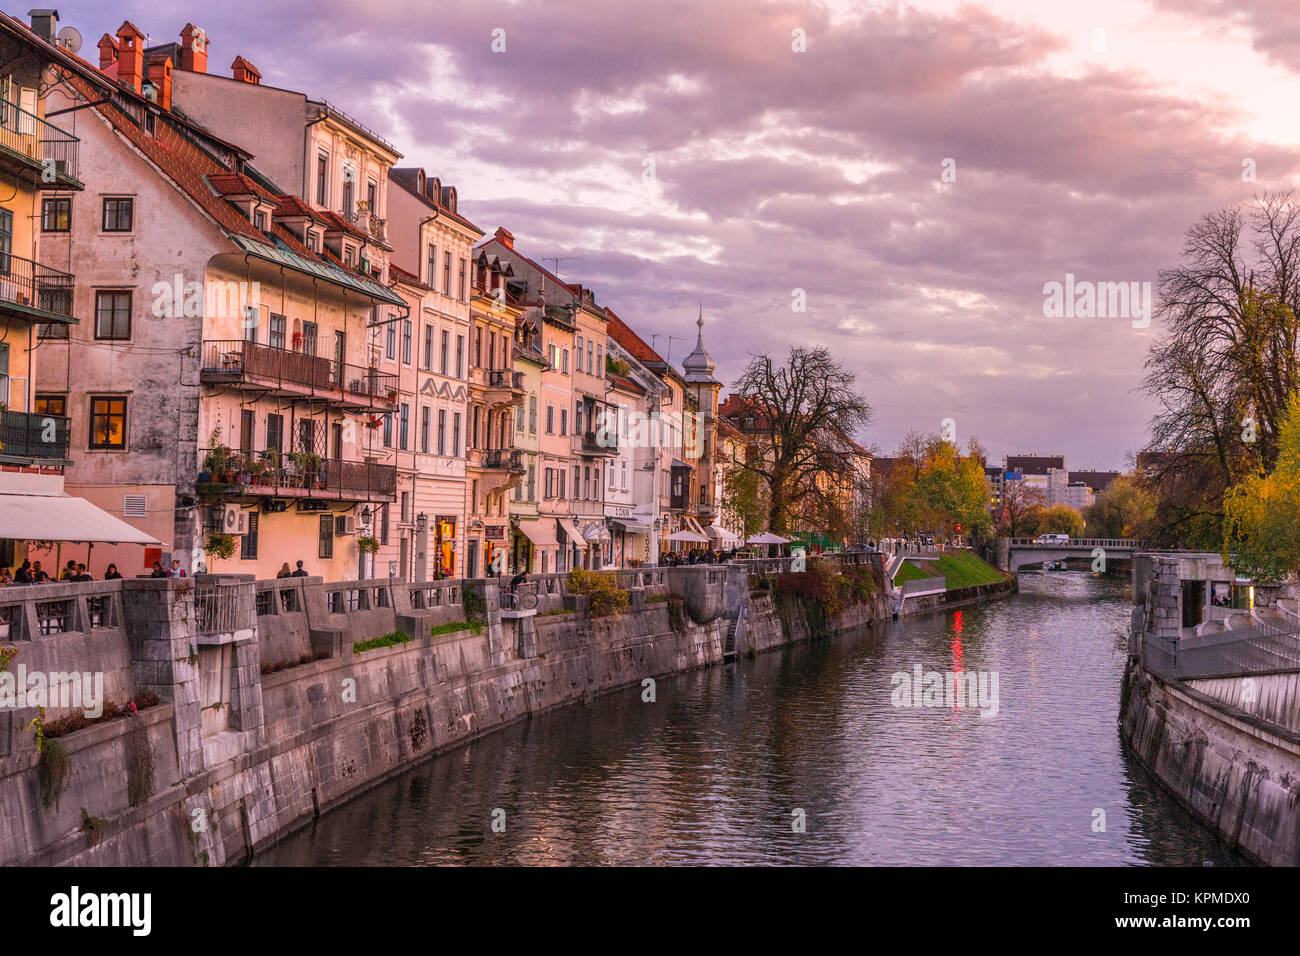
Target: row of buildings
x=1047, y=477
x=240, y=333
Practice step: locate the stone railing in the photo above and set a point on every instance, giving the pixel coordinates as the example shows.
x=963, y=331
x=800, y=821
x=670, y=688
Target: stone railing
x=29, y=612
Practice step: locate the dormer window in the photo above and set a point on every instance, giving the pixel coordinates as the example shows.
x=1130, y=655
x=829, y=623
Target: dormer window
x=259, y=220
x=313, y=241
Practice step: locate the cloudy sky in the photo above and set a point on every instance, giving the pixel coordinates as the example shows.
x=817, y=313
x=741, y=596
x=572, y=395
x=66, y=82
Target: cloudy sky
x=676, y=151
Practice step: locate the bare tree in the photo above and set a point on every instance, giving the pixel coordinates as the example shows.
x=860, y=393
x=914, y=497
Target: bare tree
x=1020, y=508
x=799, y=416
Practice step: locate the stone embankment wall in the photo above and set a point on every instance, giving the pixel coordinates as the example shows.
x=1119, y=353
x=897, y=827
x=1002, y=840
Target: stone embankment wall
x=1227, y=747
x=268, y=716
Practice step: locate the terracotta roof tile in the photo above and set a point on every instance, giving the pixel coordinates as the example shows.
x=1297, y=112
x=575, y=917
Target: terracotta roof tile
x=622, y=333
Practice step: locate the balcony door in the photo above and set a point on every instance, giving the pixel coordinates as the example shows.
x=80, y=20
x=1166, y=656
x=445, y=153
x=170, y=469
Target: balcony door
x=340, y=350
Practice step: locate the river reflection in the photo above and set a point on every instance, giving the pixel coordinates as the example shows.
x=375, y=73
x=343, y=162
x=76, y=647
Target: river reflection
x=716, y=769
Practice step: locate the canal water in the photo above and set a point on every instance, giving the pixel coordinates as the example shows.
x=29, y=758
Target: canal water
x=728, y=762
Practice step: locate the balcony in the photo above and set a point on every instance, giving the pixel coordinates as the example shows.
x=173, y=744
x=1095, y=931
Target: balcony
x=35, y=291
x=596, y=443
x=511, y=460
x=36, y=437
x=498, y=386
x=296, y=374
x=300, y=474
x=37, y=152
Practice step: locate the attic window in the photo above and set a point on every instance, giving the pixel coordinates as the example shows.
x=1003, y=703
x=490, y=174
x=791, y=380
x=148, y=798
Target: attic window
x=149, y=122
x=311, y=241
x=259, y=220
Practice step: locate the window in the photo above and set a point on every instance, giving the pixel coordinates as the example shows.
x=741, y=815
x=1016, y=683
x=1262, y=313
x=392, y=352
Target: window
x=460, y=356
x=446, y=273
x=51, y=405
x=433, y=267
x=446, y=350
x=532, y=414
x=56, y=214
x=442, y=431
x=406, y=341
x=462, y=281
x=248, y=544
x=309, y=338
x=275, y=431
x=455, y=435
x=428, y=347
x=383, y=523
x=247, y=421
x=560, y=473
x=278, y=324
x=388, y=431
x=372, y=198
x=108, y=422
x=259, y=220
x=478, y=347
x=519, y=426
x=577, y=476
x=118, y=215
x=492, y=350
x=600, y=362
x=579, y=353
x=590, y=367
x=322, y=180
x=406, y=416
x=349, y=192
x=550, y=419
x=564, y=365
x=391, y=346
x=113, y=315
x=424, y=429
x=564, y=421
x=326, y=537
x=546, y=482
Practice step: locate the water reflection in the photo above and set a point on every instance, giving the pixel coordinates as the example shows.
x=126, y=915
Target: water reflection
x=712, y=772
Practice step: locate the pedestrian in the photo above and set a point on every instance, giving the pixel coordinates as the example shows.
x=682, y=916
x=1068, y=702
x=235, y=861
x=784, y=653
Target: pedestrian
x=158, y=571
x=299, y=573
x=69, y=571
x=81, y=574
x=38, y=576
x=175, y=570
x=284, y=570
x=24, y=573
x=6, y=577
x=112, y=574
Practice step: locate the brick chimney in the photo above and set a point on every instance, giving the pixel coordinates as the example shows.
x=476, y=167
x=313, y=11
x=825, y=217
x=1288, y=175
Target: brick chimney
x=160, y=78
x=194, y=49
x=506, y=236
x=107, y=51
x=45, y=24
x=244, y=71
x=130, y=55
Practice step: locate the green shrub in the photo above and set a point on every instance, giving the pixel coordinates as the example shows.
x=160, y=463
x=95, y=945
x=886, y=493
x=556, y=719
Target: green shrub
x=473, y=603
x=388, y=640
x=452, y=627
x=52, y=770
x=606, y=596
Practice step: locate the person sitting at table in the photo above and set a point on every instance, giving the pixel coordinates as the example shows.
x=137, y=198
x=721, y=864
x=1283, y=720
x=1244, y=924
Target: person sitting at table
x=112, y=574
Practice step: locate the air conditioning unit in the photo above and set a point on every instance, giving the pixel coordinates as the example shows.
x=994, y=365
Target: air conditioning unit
x=235, y=520
x=345, y=524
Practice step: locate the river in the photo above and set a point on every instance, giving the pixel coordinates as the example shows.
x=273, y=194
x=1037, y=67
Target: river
x=727, y=762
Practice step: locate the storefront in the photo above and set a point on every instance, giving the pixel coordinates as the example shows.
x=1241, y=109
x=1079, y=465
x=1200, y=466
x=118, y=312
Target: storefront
x=574, y=545
x=444, y=547
x=494, y=543
x=542, y=544
x=600, y=544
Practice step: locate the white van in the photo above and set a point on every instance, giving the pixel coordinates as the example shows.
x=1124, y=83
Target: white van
x=1052, y=539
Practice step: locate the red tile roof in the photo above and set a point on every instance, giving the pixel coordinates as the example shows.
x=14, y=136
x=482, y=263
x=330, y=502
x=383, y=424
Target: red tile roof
x=236, y=184
x=626, y=384
x=291, y=206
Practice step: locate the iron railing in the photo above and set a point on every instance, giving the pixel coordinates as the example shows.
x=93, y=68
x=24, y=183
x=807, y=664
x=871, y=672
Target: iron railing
x=44, y=143
x=1254, y=648
x=224, y=607
x=272, y=471
x=28, y=283
x=503, y=458
x=25, y=435
x=238, y=360
x=505, y=378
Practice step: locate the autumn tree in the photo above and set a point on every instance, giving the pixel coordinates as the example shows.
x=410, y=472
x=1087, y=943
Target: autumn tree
x=1262, y=512
x=1126, y=509
x=1019, y=511
x=799, y=417
x=1060, y=519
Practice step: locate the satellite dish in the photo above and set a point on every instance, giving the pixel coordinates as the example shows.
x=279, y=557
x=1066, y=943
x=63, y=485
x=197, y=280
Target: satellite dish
x=70, y=39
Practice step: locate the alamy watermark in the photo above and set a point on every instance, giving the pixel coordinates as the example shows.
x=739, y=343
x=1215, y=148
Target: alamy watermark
x=213, y=299
x=973, y=690
x=1098, y=300
x=84, y=690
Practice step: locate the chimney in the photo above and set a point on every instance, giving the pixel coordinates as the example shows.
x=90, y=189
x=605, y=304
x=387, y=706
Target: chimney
x=45, y=24
x=244, y=71
x=506, y=236
x=107, y=51
x=160, y=78
x=194, y=49
x=130, y=55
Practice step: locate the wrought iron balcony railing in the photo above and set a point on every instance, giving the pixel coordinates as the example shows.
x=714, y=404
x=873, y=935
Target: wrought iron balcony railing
x=25, y=435
x=273, y=472
x=242, y=361
x=27, y=283
x=42, y=143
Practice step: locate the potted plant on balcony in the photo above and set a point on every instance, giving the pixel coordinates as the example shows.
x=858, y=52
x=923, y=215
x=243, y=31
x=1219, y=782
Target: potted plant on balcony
x=220, y=544
x=367, y=544
x=392, y=394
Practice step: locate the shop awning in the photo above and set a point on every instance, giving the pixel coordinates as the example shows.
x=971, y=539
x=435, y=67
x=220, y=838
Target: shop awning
x=540, y=533
x=722, y=534
x=632, y=527
x=688, y=536
x=571, y=531
x=29, y=517
x=595, y=532
x=693, y=524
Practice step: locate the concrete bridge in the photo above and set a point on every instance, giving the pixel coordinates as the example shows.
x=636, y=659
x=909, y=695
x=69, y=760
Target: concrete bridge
x=1016, y=553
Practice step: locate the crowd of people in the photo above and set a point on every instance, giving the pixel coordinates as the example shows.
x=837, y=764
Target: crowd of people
x=673, y=559
x=31, y=572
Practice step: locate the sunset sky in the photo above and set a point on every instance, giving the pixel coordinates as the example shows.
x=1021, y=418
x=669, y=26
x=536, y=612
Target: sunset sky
x=1085, y=140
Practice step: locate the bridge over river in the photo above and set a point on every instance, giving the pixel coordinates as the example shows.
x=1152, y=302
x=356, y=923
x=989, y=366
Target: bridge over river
x=1016, y=553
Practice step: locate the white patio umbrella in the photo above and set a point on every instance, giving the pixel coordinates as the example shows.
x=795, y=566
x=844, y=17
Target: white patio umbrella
x=688, y=536
x=766, y=537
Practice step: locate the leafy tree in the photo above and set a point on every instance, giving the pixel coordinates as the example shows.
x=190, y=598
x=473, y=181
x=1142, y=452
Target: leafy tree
x=1126, y=509
x=1060, y=519
x=1262, y=512
x=1019, y=513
